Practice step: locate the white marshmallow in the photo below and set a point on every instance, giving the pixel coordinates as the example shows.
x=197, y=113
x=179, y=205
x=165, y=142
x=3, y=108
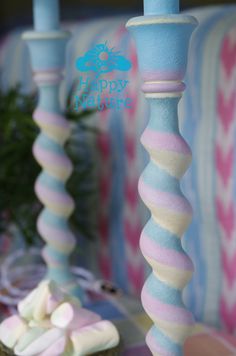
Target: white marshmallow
x=11, y=330
x=100, y=336
x=68, y=315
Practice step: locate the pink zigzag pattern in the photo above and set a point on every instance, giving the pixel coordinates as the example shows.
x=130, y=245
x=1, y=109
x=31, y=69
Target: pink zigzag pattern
x=224, y=159
x=131, y=221
x=105, y=186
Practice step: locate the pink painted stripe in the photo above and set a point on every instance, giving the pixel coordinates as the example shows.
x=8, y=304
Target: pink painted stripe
x=154, y=347
x=56, y=236
x=50, y=118
x=51, y=158
x=165, y=141
x=57, y=198
x=52, y=77
x=163, y=255
x=164, y=87
x=167, y=312
x=164, y=200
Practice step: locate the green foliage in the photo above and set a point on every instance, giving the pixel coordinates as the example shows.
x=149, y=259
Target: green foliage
x=19, y=170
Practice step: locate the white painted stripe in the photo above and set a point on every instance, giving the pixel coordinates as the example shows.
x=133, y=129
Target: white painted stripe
x=155, y=20
x=162, y=95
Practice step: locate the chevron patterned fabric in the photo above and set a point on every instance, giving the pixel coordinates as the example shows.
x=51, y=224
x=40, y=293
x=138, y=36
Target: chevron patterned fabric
x=208, y=124
x=225, y=183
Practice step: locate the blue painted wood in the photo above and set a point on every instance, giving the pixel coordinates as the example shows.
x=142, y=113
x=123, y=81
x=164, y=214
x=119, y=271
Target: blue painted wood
x=47, y=46
x=162, y=38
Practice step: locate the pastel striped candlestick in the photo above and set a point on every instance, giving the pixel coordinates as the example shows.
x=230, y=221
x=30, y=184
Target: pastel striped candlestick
x=162, y=38
x=47, y=48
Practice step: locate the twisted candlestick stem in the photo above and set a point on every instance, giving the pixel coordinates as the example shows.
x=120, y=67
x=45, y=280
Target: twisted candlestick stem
x=162, y=38
x=159, y=187
x=50, y=186
x=47, y=46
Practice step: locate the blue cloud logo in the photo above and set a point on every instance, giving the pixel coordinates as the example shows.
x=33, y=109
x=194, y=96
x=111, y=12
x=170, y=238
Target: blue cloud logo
x=101, y=59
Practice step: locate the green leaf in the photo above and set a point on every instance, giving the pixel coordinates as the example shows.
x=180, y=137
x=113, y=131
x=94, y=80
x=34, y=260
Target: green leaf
x=18, y=203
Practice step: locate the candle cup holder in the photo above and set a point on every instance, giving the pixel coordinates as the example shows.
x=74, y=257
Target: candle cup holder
x=162, y=38
x=47, y=45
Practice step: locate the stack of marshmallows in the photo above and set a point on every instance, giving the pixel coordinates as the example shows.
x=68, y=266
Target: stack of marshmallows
x=52, y=323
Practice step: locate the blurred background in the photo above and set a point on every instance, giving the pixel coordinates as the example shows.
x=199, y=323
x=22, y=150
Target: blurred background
x=16, y=12
x=108, y=158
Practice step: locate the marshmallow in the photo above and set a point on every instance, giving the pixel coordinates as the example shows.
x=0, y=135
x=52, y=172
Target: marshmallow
x=70, y=316
x=51, y=323
x=93, y=338
x=11, y=330
x=37, y=340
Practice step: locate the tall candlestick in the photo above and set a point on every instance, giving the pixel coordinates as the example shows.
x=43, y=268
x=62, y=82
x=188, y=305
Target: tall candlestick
x=162, y=39
x=47, y=46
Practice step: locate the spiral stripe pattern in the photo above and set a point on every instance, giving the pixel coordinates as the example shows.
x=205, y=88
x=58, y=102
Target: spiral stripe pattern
x=171, y=213
x=47, y=47
x=162, y=43
x=50, y=188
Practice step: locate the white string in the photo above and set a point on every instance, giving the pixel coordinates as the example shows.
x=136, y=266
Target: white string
x=18, y=279
x=28, y=276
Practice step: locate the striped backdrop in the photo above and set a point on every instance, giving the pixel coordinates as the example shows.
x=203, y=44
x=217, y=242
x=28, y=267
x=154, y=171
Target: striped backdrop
x=208, y=115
